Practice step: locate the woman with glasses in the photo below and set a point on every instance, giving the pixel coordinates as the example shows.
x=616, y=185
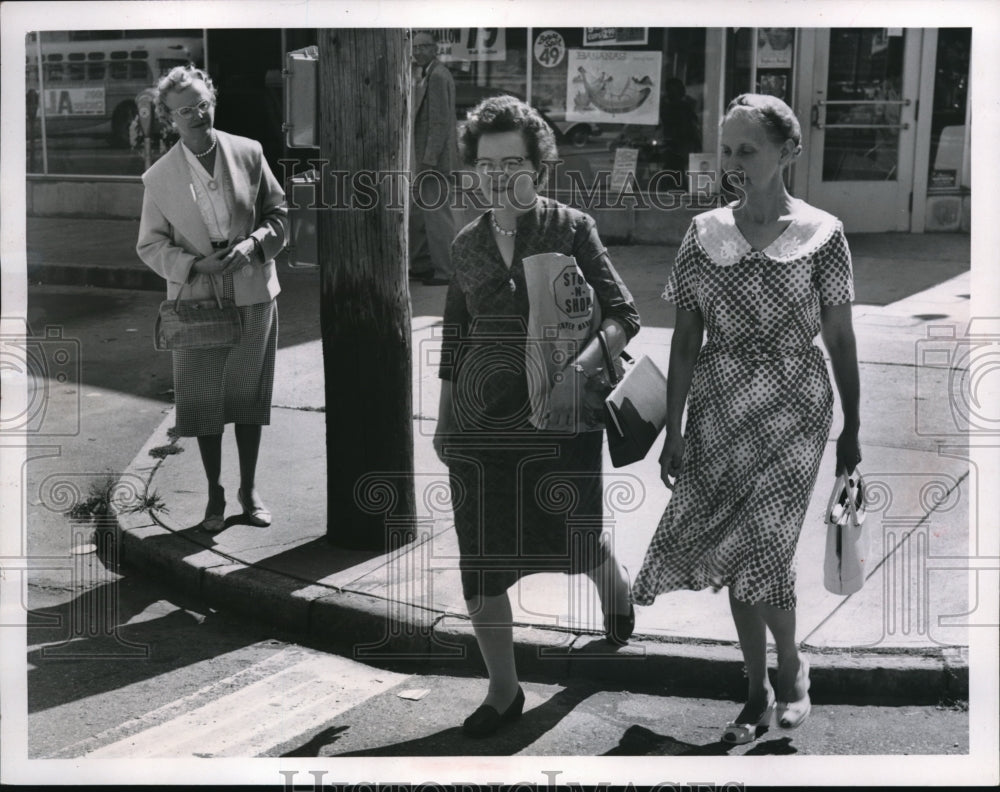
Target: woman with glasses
x=214, y=218
x=525, y=498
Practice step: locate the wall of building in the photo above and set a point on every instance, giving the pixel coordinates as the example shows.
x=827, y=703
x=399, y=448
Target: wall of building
x=695, y=72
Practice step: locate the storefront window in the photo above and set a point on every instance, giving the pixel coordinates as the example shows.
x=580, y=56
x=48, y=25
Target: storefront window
x=949, y=147
x=760, y=60
x=633, y=89
x=82, y=118
x=864, y=90
x=640, y=90
x=484, y=62
x=739, y=62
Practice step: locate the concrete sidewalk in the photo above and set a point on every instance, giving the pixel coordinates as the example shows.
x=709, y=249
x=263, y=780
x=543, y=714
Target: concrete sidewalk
x=901, y=639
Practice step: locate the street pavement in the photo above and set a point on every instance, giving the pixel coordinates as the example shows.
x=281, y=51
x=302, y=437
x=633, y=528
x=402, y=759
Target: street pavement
x=903, y=638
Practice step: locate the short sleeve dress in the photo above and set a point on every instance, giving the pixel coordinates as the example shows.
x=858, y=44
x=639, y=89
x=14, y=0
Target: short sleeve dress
x=524, y=500
x=759, y=407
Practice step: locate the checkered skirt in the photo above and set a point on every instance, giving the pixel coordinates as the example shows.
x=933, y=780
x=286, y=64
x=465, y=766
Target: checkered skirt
x=213, y=387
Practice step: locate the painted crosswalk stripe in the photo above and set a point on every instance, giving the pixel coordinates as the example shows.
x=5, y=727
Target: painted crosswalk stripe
x=258, y=716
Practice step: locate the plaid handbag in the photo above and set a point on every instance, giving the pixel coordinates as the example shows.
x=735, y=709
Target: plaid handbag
x=197, y=324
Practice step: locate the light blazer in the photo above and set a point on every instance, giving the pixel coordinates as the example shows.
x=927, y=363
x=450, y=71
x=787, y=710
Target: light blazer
x=434, y=120
x=173, y=235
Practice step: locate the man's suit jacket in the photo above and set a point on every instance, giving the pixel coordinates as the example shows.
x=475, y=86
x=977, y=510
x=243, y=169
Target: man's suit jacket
x=173, y=235
x=434, y=120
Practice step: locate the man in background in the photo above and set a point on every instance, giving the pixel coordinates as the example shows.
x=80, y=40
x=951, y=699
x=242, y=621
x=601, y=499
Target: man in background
x=432, y=227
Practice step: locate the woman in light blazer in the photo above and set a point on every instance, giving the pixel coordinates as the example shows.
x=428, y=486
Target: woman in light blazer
x=212, y=210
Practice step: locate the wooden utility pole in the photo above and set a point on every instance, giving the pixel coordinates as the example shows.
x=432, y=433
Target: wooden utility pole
x=364, y=135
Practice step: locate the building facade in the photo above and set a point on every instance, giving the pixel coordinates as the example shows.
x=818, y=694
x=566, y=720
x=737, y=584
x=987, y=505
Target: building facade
x=884, y=111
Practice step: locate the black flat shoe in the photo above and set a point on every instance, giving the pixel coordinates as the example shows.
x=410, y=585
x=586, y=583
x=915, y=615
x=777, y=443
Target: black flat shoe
x=486, y=720
x=618, y=628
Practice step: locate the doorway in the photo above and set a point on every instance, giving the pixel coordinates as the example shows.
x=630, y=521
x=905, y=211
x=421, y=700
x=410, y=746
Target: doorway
x=863, y=85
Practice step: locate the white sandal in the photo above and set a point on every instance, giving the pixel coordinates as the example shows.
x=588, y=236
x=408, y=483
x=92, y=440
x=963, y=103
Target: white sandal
x=744, y=733
x=792, y=714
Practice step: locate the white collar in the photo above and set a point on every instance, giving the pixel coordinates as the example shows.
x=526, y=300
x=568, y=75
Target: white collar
x=725, y=245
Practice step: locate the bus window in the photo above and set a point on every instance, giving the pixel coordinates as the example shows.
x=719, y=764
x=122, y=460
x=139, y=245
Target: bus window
x=53, y=72
x=166, y=64
x=95, y=71
x=118, y=70
x=139, y=71
x=76, y=71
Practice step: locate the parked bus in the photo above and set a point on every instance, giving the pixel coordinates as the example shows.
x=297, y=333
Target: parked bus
x=90, y=86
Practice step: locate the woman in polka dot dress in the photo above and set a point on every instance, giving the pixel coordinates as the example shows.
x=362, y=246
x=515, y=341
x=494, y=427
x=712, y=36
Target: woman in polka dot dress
x=762, y=276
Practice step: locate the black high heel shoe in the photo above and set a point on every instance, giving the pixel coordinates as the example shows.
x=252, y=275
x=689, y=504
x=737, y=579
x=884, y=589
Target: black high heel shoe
x=486, y=720
x=618, y=627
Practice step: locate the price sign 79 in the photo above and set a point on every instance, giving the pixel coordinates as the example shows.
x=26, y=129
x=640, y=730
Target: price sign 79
x=481, y=39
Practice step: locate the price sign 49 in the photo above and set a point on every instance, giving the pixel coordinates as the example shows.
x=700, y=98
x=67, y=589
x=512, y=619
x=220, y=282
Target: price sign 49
x=550, y=48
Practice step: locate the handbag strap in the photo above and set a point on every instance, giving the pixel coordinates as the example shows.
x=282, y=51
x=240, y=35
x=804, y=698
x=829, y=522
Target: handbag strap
x=844, y=485
x=215, y=288
x=609, y=361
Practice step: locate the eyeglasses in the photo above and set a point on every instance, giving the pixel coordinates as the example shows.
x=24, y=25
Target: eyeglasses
x=189, y=111
x=425, y=46
x=507, y=165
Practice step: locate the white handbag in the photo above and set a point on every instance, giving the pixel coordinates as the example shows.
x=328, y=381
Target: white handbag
x=848, y=543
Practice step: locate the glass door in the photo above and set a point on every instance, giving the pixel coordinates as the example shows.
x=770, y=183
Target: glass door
x=863, y=126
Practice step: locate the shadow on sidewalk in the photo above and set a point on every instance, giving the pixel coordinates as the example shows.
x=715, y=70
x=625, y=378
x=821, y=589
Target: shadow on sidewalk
x=531, y=727
x=451, y=742
x=92, y=630
x=640, y=741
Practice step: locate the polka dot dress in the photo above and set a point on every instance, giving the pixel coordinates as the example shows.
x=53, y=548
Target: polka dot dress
x=759, y=408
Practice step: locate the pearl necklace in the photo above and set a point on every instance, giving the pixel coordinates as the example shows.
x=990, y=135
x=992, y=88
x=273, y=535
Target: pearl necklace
x=500, y=229
x=210, y=149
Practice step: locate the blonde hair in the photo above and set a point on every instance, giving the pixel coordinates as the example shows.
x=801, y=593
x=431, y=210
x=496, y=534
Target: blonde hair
x=177, y=79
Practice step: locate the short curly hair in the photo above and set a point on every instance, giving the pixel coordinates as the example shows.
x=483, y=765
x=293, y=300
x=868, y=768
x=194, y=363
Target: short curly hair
x=177, y=79
x=506, y=113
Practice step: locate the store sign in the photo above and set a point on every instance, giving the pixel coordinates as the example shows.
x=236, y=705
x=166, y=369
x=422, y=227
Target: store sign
x=623, y=170
x=74, y=101
x=614, y=37
x=775, y=47
x=613, y=86
x=472, y=44
x=943, y=178
x=550, y=48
